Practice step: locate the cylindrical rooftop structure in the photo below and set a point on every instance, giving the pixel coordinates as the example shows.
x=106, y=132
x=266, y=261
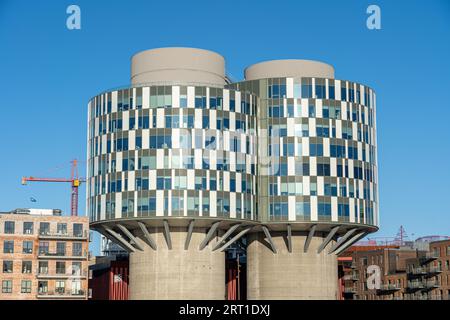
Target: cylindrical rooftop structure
x=178, y=64
x=289, y=68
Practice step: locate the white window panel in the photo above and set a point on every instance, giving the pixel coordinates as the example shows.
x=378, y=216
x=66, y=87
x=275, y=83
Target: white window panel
x=238, y=101
x=191, y=97
x=289, y=87
x=114, y=101
x=175, y=96
x=226, y=99
x=132, y=140
x=314, y=214
x=319, y=108
x=145, y=97
x=334, y=209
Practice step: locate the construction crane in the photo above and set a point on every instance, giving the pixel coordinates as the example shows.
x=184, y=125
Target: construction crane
x=74, y=180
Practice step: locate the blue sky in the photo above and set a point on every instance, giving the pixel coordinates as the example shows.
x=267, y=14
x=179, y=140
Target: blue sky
x=48, y=74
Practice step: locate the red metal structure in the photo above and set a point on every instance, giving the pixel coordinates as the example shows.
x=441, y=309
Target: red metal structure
x=74, y=180
x=110, y=283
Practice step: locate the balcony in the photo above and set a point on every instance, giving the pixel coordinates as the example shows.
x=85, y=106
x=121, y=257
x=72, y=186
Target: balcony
x=63, y=294
x=415, y=285
x=433, y=270
x=389, y=287
x=430, y=284
x=418, y=271
x=47, y=235
x=428, y=257
x=62, y=256
x=76, y=275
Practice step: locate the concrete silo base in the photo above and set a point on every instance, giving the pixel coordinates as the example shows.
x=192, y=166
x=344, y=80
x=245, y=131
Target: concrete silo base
x=177, y=274
x=290, y=275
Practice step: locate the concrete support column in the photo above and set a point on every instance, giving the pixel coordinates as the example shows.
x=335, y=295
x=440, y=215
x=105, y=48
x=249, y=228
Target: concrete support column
x=290, y=275
x=177, y=274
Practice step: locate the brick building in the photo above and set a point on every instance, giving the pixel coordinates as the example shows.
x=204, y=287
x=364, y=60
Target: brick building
x=414, y=272
x=441, y=250
x=43, y=255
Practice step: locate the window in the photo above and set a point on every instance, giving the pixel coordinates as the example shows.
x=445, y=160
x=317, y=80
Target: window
x=323, y=169
x=6, y=286
x=7, y=266
x=8, y=246
x=76, y=268
x=312, y=111
x=44, y=228
x=60, y=287
x=61, y=228
x=320, y=89
x=331, y=92
x=61, y=248
x=27, y=247
x=43, y=267
x=324, y=209
x=9, y=227
x=26, y=286
x=306, y=88
x=77, y=229
x=42, y=287
x=27, y=266
x=76, y=287
x=316, y=149
x=77, y=249
x=60, y=267
x=205, y=204
x=43, y=247
x=322, y=130
x=302, y=210
x=28, y=228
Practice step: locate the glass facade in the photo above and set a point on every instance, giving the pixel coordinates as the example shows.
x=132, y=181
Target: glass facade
x=318, y=162
x=278, y=149
x=184, y=151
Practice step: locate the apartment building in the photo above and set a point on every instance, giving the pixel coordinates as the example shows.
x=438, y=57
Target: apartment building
x=441, y=250
x=43, y=254
x=415, y=272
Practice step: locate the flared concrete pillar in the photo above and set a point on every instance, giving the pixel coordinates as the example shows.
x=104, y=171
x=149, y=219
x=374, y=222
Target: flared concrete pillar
x=177, y=273
x=290, y=275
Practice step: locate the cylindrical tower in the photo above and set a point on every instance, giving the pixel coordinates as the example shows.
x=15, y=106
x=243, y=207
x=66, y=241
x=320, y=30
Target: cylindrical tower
x=182, y=163
x=171, y=171
x=317, y=177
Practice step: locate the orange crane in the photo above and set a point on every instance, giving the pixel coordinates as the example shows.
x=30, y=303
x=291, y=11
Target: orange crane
x=74, y=180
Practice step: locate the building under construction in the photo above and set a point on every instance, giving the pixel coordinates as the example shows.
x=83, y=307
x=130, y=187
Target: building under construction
x=183, y=163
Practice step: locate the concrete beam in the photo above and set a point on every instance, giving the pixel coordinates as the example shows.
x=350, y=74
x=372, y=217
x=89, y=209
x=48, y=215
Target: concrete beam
x=120, y=240
x=289, y=237
x=328, y=239
x=147, y=236
x=189, y=234
x=130, y=236
x=209, y=235
x=351, y=241
x=308, y=239
x=226, y=235
x=269, y=238
x=167, y=234
x=235, y=238
x=342, y=240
